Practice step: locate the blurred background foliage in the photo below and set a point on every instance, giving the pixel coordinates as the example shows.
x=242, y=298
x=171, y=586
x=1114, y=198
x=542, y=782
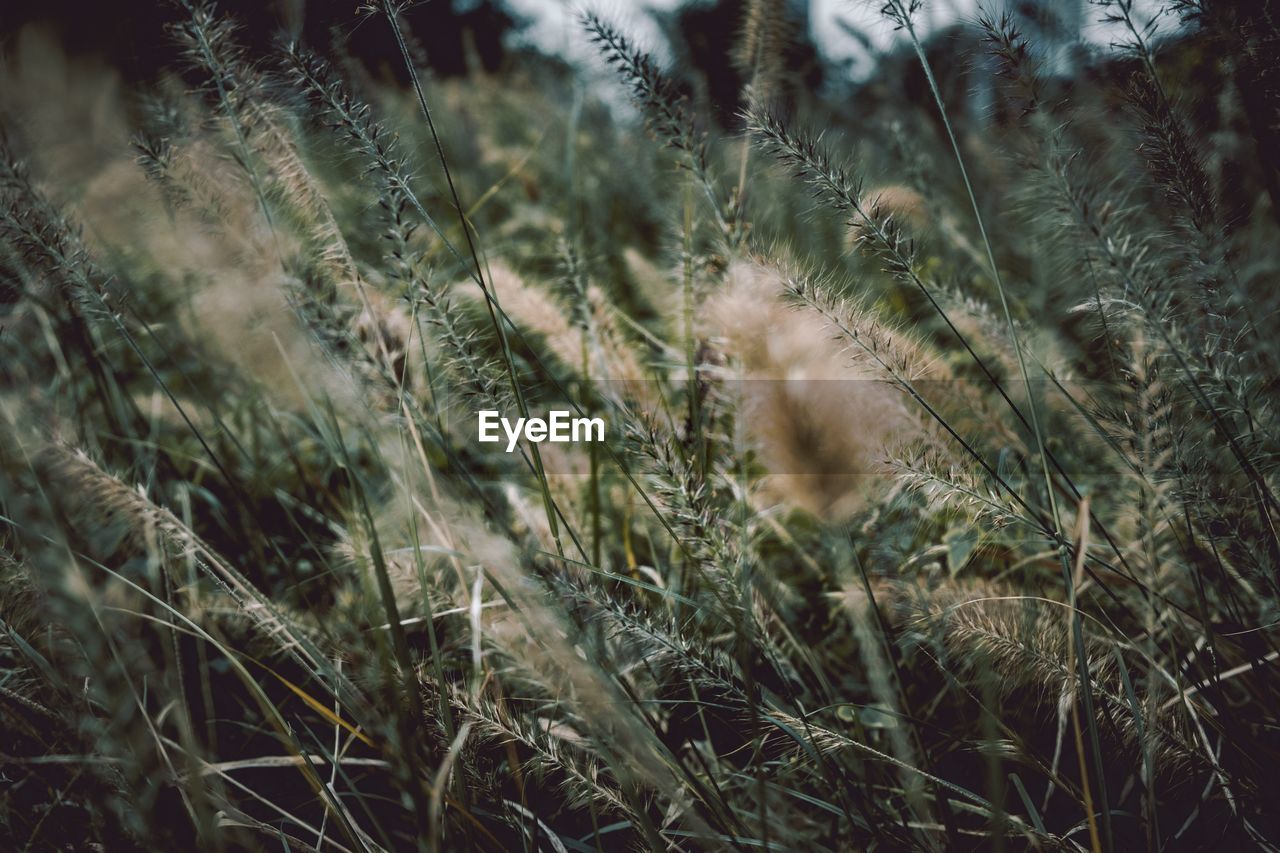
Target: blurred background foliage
x=265, y=460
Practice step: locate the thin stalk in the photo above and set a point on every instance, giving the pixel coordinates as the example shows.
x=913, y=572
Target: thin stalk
x=902, y=15
x=390, y=12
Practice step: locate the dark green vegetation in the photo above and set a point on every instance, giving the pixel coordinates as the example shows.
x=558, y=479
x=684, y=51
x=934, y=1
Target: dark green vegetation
x=983, y=554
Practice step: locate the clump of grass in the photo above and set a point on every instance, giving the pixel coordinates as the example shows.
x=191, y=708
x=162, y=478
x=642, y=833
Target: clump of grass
x=943, y=515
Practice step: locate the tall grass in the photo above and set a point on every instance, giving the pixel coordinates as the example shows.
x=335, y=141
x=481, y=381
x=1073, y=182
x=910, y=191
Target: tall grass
x=937, y=508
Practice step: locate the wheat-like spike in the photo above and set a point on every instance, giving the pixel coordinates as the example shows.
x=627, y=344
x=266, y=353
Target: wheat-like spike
x=653, y=91
x=667, y=114
x=1132, y=263
x=706, y=535
x=1024, y=643
x=944, y=484
x=102, y=495
x=1014, y=53
x=758, y=53
x=584, y=780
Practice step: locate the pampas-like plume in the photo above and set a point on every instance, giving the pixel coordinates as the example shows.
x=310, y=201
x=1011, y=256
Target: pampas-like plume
x=821, y=415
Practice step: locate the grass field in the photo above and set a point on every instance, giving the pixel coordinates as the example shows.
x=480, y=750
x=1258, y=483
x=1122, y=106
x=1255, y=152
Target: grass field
x=937, y=507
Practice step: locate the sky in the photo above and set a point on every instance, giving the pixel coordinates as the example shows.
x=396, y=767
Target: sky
x=554, y=25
